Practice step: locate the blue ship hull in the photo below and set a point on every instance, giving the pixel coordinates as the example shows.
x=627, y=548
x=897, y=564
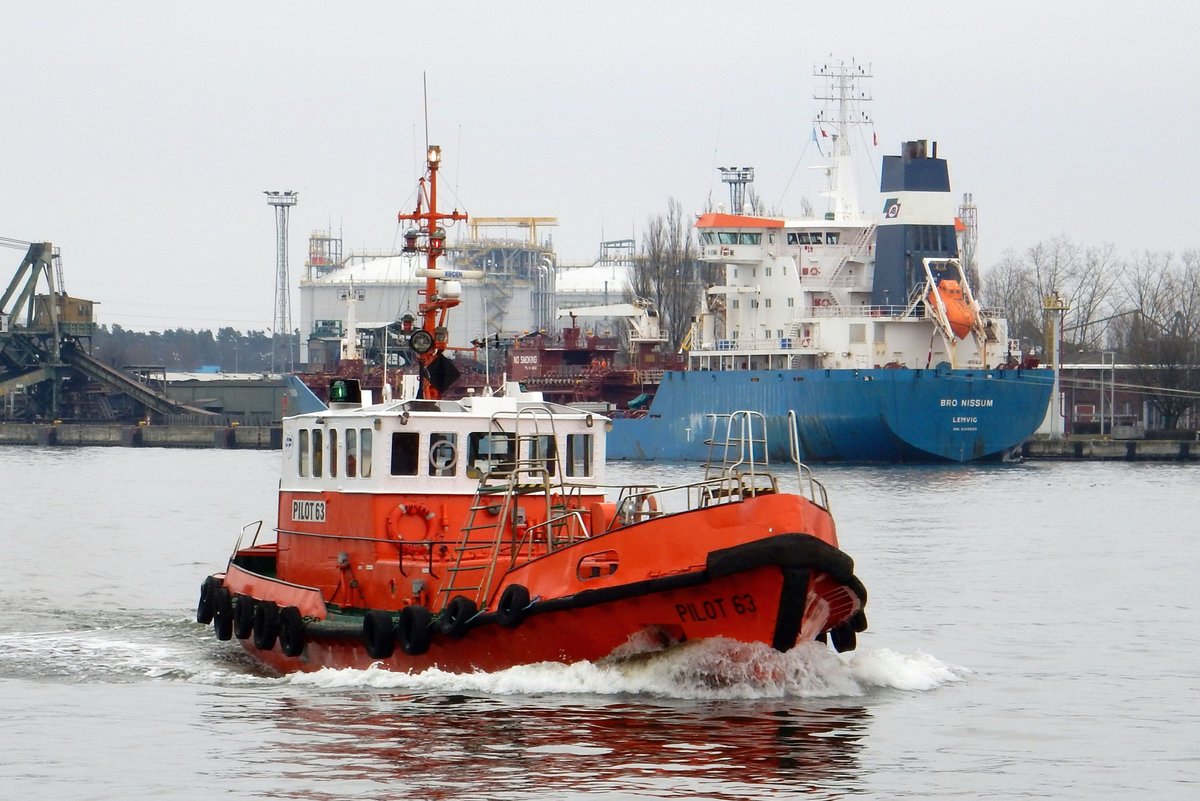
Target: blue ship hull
x=876, y=415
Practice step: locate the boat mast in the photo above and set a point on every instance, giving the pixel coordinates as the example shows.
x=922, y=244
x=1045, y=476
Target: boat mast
x=842, y=87
x=429, y=237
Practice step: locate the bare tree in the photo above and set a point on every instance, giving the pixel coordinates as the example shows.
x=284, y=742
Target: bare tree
x=1010, y=287
x=1084, y=277
x=1162, y=337
x=669, y=273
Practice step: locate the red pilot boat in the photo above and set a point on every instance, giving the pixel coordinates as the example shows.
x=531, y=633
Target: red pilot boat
x=479, y=534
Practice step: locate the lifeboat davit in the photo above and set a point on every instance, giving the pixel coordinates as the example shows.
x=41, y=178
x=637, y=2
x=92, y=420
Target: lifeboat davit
x=958, y=310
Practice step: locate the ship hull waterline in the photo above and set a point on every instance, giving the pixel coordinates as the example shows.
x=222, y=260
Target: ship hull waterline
x=868, y=415
x=780, y=591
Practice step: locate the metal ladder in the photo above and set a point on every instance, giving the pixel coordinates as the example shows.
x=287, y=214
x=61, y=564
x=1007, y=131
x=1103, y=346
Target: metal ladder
x=534, y=475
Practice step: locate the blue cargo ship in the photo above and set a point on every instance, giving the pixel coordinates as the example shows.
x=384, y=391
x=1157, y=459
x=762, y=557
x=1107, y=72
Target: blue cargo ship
x=861, y=322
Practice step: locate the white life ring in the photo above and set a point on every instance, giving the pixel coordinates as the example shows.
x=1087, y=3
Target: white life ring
x=806, y=343
x=814, y=270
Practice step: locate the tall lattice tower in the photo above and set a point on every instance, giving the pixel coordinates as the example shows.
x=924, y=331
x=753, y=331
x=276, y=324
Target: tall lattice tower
x=282, y=330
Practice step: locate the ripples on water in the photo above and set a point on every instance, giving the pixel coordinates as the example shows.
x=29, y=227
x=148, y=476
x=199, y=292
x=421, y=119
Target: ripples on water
x=1063, y=589
x=716, y=719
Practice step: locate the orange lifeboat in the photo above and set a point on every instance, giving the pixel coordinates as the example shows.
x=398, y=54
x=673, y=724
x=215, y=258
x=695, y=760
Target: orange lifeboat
x=958, y=311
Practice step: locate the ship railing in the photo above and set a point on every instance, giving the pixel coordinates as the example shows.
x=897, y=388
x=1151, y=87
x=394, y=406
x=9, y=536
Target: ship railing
x=636, y=504
x=258, y=527
x=561, y=531
x=809, y=485
x=743, y=450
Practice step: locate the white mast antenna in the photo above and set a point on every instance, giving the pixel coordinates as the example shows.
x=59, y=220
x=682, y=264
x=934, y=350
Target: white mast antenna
x=842, y=86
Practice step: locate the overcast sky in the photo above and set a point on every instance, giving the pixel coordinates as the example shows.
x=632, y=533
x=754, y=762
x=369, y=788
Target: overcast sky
x=139, y=136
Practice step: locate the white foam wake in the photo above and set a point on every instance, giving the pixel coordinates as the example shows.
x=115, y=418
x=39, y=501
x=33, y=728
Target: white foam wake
x=713, y=669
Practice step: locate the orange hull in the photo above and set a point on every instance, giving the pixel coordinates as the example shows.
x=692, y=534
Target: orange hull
x=716, y=572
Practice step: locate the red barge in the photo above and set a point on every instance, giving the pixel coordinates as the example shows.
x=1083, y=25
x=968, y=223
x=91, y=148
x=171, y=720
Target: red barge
x=478, y=534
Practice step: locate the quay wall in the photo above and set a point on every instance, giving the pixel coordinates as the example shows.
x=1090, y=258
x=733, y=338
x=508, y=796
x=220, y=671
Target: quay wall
x=1104, y=449
x=133, y=436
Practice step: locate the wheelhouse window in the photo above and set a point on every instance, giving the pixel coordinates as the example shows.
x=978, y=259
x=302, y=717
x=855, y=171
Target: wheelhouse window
x=749, y=239
x=491, y=452
x=443, y=453
x=727, y=237
x=544, y=449
x=302, y=453
x=364, y=441
x=405, y=448
x=333, y=452
x=832, y=237
x=318, y=450
x=579, y=454
x=351, y=452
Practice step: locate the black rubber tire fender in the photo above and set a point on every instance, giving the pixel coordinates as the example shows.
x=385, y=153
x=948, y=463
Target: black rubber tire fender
x=291, y=631
x=222, y=613
x=844, y=638
x=414, y=631
x=204, y=609
x=266, y=625
x=513, y=605
x=378, y=635
x=456, y=615
x=243, y=616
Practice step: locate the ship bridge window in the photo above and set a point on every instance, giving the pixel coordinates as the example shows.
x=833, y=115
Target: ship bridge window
x=727, y=237
x=364, y=441
x=302, y=453
x=544, y=449
x=318, y=449
x=792, y=239
x=351, y=452
x=749, y=239
x=707, y=238
x=405, y=447
x=579, y=454
x=491, y=452
x=443, y=453
x=831, y=237
x=333, y=452
x=806, y=239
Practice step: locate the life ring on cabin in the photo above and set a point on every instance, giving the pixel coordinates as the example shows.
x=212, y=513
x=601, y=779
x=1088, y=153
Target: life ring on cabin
x=266, y=625
x=417, y=509
x=413, y=630
x=456, y=615
x=806, y=343
x=514, y=603
x=443, y=456
x=377, y=634
x=291, y=631
x=814, y=270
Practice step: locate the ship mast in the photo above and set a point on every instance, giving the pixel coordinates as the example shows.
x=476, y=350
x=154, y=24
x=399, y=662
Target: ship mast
x=429, y=237
x=842, y=87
